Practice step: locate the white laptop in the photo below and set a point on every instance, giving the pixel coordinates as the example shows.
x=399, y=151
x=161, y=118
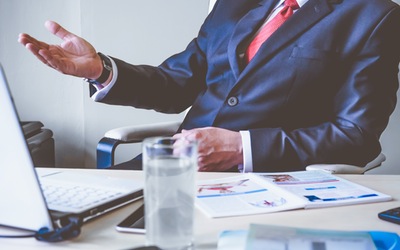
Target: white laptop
x=29, y=198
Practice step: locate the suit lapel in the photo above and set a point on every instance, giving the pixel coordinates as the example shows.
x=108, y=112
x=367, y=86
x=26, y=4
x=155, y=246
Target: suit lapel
x=303, y=19
x=245, y=28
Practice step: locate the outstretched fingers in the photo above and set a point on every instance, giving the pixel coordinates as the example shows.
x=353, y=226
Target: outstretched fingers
x=34, y=46
x=26, y=39
x=40, y=50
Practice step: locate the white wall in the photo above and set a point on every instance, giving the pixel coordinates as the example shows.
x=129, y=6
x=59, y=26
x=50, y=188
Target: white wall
x=138, y=31
x=122, y=28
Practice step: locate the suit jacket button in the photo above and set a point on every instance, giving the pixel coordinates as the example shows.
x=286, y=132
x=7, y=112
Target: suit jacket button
x=233, y=101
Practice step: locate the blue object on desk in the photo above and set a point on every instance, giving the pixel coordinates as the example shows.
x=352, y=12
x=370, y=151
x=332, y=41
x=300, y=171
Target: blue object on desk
x=385, y=240
x=236, y=240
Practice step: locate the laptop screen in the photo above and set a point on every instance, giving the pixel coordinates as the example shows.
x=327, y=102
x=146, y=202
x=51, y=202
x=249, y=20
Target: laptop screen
x=22, y=188
x=22, y=203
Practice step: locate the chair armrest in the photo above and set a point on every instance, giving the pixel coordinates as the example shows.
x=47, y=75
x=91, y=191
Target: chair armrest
x=348, y=169
x=130, y=134
x=140, y=132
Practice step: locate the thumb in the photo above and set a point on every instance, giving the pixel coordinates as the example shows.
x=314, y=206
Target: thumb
x=58, y=30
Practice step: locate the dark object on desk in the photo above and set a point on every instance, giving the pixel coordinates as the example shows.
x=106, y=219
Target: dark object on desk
x=392, y=215
x=134, y=223
x=40, y=142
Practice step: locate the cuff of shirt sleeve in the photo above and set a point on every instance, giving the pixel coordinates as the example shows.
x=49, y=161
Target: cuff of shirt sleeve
x=247, y=156
x=102, y=92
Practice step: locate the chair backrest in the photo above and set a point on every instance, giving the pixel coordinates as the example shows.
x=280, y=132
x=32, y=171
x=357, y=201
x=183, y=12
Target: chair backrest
x=349, y=169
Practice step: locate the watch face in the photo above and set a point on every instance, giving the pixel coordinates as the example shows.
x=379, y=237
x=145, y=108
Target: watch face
x=107, y=68
x=106, y=61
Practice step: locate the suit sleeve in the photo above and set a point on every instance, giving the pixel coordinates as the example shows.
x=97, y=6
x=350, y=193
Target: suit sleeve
x=168, y=88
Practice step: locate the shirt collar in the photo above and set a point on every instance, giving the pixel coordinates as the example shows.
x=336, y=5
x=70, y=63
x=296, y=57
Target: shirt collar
x=299, y=2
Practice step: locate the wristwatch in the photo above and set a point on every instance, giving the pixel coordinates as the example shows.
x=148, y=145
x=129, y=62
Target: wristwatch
x=105, y=73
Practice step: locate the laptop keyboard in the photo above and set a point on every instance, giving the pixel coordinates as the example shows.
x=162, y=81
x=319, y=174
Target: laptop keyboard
x=72, y=198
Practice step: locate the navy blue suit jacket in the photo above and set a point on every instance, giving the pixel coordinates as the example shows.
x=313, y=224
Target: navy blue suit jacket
x=320, y=90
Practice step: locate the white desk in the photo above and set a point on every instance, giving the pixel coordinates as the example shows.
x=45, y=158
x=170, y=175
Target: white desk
x=100, y=233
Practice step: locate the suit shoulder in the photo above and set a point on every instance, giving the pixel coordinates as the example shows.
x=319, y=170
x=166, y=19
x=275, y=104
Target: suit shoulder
x=380, y=4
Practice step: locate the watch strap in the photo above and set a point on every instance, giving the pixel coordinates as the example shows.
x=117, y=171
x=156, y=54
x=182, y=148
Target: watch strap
x=105, y=73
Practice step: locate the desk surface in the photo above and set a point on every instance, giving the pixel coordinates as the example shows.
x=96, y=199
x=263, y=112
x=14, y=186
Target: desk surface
x=101, y=234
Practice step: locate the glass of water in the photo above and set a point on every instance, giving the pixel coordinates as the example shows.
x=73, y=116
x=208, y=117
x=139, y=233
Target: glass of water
x=169, y=166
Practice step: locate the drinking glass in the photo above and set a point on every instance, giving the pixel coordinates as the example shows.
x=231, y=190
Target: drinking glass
x=169, y=166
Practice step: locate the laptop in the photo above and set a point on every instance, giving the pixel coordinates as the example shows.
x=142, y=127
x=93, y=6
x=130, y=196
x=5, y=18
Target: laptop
x=29, y=198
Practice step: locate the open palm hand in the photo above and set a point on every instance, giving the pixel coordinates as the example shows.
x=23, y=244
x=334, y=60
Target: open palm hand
x=74, y=56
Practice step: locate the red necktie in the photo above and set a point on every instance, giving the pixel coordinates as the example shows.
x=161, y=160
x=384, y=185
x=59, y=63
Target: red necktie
x=271, y=27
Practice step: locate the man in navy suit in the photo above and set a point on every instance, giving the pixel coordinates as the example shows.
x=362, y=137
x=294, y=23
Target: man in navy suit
x=320, y=89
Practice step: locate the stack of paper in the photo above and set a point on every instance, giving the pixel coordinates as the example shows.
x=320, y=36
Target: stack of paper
x=256, y=193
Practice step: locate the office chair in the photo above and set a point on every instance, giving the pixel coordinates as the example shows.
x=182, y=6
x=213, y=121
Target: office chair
x=135, y=134
x=130, y=134
x=349, y=169
x=40, y=143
